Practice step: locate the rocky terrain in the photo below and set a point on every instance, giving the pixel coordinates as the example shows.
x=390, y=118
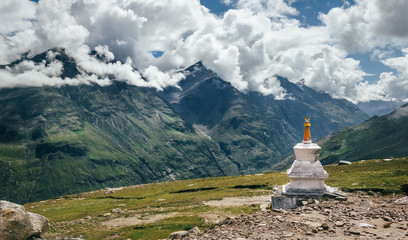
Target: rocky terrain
x=361, y=216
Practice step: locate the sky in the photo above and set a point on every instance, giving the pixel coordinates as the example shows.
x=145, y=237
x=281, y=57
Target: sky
x=356, y=50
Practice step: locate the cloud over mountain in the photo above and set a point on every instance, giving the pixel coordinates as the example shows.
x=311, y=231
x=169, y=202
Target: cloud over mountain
x=247, y=46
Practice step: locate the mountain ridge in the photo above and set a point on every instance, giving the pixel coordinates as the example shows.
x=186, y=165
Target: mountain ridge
x=69, y=139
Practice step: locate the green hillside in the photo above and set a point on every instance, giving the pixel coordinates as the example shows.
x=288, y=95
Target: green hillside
x=179, y=205
x=378, y=137
x=56, y=141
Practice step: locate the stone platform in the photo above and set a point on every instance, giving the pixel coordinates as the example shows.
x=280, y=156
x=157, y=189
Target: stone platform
x=284, y=201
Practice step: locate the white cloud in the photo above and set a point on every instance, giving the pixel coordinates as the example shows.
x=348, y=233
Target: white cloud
x=369, y=24
x=17, y=14
x=247, y=46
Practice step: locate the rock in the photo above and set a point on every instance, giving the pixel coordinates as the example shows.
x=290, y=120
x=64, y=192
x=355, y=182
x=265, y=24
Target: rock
x=178, y=235
x=160, y=200
x=72, y=238
x=387, y=225
x=354, y=231
x=366, y=225
x=313, y=224
x=88, y=218
x=17, y=223
x=368, y=205
x=387, y=219
x=264, y=207
x=402, y=201
x=108, y=191
x=194, y=230
x=314, y=230
x=342, y=162
x=116, y=210
x=122, y=205
x=339, y=223
x=325, y=226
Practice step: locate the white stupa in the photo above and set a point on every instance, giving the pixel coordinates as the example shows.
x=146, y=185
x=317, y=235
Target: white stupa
x=306, y=174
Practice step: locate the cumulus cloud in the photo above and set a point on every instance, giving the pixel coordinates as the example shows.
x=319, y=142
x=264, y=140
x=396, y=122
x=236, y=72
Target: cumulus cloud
x=368, y=24
x=248, y=46
x=18, y=15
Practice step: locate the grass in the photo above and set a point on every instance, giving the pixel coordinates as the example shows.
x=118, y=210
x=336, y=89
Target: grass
x=184, y=199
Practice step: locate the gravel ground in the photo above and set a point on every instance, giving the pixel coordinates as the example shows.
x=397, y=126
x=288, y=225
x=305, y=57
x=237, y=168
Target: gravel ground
x=361, y=216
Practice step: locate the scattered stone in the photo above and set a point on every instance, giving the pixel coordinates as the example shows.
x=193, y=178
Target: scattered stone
x=106, y=214
x=109, y=190
x=343, y=162
x=116, y=210
x=339, y=223
x=264, y=207
x=387, y=219
x=387, y=159
x=178, y=235
x=17, y=223
x=366, y=225
x=160, y=200
x=314, y=225
x=368, y=205
x=72, y=238
x=387, y=225
x=354, y=231
x=88, y=218
x=402, y=201
x=325, y=226
x=122, y=205
x=194, y=230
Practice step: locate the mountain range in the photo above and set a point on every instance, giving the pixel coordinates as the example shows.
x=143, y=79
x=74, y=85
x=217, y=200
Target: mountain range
x=378, y=137
x=68, y=139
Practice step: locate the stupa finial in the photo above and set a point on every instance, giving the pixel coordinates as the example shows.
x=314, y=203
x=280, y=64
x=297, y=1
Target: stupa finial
x=307, y=138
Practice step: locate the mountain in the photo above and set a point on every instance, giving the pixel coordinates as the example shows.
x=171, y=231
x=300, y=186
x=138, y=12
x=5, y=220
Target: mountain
x=256, y=131
x=69, y=139
x=378, y=137
x=378, y=107
x=61, y=140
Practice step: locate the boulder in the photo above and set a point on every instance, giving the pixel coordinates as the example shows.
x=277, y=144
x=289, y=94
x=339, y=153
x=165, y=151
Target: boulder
x=16, y=223
x=343, y=162
x=178, y=235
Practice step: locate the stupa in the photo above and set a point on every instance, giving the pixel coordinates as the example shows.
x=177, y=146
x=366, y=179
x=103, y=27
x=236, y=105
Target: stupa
x=306, y=174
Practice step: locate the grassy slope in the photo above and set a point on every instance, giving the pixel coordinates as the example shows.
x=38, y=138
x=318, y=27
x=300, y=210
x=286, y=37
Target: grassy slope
x=58, y=141
x=378, y=137
x=65, y=213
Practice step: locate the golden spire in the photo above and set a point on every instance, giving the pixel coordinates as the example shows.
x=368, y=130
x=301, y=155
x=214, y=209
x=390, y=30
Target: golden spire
x=307, y=138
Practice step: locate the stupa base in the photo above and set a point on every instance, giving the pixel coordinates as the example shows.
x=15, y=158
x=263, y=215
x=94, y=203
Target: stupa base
x=285, y=200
